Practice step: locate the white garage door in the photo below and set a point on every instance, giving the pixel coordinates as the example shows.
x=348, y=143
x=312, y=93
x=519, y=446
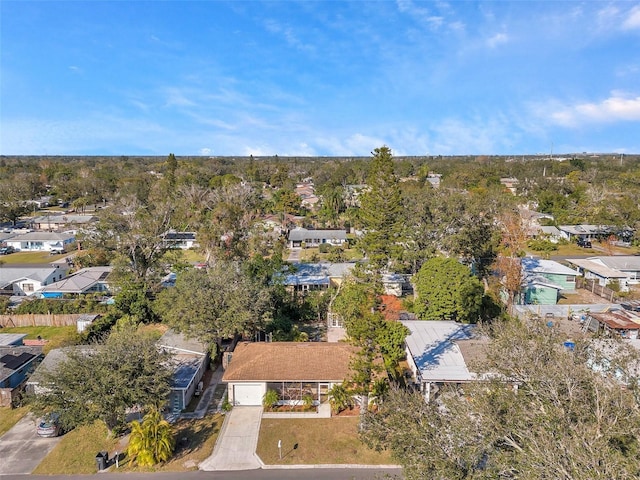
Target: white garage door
x=248, y=394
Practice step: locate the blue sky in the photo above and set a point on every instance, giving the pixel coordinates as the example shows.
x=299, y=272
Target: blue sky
x=319, y=78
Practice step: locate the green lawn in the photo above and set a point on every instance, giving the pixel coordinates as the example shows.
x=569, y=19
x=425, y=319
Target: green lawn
x=76, y=451
x=29, y=257
x=56, y=336
x=10, y=416
x=316, y=441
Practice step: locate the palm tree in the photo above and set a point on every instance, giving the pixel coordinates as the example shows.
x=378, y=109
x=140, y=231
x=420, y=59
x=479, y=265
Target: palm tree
x=151, y=441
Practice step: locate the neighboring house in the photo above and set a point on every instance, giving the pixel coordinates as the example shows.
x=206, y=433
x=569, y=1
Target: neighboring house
x=293, y=369
x=617, y=320
x=29, y=280
x=555, y=272
x=511, y=184
x=86, y=280
x=61, y=222
x=17, y=362
x=434, y=179
x=584, y=232
x=182, y=240
x=299, y=237
x=597, y=271
x=396, y=284
x=316, y=276
x=627, y=264
x=189, y=359
x=540, y=291
x=41, y=241
x=437, y=355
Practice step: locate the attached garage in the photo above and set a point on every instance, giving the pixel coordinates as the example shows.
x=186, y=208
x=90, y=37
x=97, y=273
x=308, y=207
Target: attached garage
x=248, y=393
x=293, y=369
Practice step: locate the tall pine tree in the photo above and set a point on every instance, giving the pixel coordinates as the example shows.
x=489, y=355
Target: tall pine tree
x=381, y=210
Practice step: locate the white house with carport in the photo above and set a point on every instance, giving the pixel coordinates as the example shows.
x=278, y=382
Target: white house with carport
x=293, y=369
x=41, y=241
x=438, y=352
x=604, y=275
x=627, y=264
x=29, y=280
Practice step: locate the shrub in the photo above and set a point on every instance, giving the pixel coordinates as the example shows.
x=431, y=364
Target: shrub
x=270, y=399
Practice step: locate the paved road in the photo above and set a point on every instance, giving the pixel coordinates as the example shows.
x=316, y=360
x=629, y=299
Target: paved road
x=276, y=474
x=21, y=449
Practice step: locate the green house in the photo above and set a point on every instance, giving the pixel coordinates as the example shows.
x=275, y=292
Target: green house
x=539, y=291
x=556, y=273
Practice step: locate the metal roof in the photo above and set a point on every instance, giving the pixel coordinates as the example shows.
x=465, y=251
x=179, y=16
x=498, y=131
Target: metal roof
x=598, y=269
x=434, y=351
x=539, y=265
x=7, y=339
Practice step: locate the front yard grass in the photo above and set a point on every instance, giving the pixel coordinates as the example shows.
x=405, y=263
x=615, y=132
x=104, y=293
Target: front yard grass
x=10, y=416
x=76, y=451
x=316, y=441
x=30, y=258
x=195, y=439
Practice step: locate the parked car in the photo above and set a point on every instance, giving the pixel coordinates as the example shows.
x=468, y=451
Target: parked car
x=49, y=426
x=584, y=243
x=6, y=250
x=56, y=251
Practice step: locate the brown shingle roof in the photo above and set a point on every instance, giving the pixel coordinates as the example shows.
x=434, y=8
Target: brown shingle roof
x=289, y=361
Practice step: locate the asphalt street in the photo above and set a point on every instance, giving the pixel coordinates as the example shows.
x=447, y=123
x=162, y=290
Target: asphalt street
x=270, y=474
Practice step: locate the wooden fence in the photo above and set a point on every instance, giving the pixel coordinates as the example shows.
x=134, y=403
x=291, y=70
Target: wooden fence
x=39, y=320
x=593, y=287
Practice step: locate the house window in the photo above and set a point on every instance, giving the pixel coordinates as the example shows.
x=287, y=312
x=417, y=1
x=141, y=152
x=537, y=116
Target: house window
x=27, y=287
x=571, y=278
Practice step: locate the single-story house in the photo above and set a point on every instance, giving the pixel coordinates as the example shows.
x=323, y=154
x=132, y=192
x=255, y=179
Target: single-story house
x=555, y=272
x=182, y=240
x=29, y=280
x=86, y=280
x=604, y=275
x=437, y=355
x=17, y=362
x=189, y=358
x=622, y=322
x=584, y=232
x=312, y=238
x=293, y=369
x=316, y=276
x=627, y=264
x=41, y=241
x=541, y=291
x=56, y=223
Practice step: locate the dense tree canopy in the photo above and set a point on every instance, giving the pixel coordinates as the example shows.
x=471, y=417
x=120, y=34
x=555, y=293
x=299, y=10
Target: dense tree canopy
x=215, y=303
x=563, y=421
x=101, y=381
x=447, y=290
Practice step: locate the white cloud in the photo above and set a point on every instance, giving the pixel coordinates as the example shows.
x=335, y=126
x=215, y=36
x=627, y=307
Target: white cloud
x=633, y=20
x=616, y=108
x=205, y=151
x=497, y=39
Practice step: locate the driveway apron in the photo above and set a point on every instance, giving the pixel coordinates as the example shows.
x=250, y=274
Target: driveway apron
x=21, y=449
x=236, y=445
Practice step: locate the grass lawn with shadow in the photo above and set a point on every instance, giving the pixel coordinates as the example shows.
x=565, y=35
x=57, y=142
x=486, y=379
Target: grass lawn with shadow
x=195, y=439
x=316, y=441
x=76, y=452
x=10, y=416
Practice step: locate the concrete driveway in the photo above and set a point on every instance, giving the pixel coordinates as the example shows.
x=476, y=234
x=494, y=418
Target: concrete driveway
x=21, y=449
x=236, y=445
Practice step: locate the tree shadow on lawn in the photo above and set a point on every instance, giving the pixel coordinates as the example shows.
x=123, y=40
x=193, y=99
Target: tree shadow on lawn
x=192, y=434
